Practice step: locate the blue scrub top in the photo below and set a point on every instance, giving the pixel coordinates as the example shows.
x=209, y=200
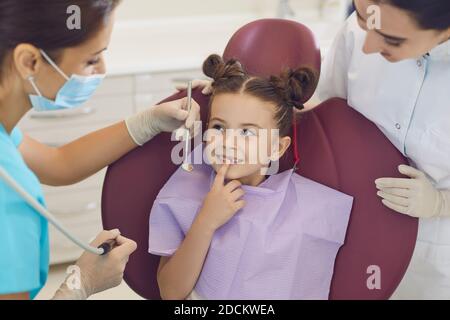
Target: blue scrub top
x=24, y=246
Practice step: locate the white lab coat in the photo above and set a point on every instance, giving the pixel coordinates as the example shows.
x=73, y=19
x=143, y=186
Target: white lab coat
x=410, y=102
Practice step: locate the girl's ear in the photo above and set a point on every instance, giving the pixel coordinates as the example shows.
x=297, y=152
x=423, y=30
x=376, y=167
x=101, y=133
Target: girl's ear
x=280, y=150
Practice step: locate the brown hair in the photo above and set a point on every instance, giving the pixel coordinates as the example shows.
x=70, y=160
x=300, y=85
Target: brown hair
x=429, y=14
x=286, y=90
x=43, y=23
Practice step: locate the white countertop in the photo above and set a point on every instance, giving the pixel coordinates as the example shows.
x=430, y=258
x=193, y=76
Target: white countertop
x=180, y=44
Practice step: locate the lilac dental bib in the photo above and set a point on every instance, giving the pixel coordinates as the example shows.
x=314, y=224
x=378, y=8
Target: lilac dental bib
x=281, y=245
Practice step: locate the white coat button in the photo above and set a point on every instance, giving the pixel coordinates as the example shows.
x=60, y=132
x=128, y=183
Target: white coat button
x=398, y=126
x=419, y=63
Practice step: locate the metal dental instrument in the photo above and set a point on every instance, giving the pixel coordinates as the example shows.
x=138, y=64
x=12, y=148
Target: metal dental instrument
x=187, y=166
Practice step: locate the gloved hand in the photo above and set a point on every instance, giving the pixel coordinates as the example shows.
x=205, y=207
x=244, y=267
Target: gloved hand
x=99, y=273
x=165, y=117
x=415, y=196
x=206, y=85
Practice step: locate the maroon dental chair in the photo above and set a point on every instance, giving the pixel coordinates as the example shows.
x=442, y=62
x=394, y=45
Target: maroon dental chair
x=338, y=147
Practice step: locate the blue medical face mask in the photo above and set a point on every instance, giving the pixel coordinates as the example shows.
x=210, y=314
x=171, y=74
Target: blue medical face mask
x=76, y=91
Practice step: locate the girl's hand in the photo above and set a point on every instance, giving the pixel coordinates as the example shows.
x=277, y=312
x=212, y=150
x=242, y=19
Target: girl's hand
x=206, y=85
x=166, y=117
x=222, y=202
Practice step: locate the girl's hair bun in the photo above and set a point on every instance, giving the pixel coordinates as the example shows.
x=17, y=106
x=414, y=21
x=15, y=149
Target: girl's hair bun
x=215, y=68
x=293, y=84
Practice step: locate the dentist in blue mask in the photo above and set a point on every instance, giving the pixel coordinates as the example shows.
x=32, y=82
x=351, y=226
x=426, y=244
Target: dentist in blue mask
x=46, y=66
x=76, y=91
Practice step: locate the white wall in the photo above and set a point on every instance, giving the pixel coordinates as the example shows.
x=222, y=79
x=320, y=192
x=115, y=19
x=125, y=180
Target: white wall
x=157, y=9
x=151, y=9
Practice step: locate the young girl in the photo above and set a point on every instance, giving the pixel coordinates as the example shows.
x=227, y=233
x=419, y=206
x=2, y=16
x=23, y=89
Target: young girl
x=227, y=230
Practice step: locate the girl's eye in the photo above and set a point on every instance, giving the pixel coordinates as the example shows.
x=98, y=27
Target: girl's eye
x=248, y=132
x=218, y=127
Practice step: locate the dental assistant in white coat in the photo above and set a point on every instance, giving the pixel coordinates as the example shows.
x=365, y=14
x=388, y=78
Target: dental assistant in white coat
x=398, y=76
x=45, y=66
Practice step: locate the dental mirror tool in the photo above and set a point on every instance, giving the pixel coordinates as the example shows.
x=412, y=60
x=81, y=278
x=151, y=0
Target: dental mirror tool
x=187, y=166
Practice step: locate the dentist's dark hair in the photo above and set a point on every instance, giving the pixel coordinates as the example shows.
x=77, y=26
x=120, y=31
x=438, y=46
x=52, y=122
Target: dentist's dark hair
x=429, y=14
x=285, y=91
x=43, y=23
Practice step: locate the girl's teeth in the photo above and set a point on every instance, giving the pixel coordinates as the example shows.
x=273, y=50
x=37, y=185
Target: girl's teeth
x=227, y=160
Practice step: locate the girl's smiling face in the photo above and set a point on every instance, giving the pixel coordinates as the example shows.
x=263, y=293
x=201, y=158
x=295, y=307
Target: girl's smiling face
x=251, y=117
x=242, y=131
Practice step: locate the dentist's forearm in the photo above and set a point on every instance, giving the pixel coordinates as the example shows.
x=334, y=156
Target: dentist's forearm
x=79, y=159
x=178, y=276
x=93, y=152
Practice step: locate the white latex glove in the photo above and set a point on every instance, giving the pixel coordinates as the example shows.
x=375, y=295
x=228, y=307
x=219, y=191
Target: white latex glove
x=166, y=117
x=99, y=273
x=415, y=196
x=206, y=85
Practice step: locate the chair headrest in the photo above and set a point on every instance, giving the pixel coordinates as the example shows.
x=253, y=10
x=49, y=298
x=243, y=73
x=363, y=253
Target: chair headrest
x=268, y=46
